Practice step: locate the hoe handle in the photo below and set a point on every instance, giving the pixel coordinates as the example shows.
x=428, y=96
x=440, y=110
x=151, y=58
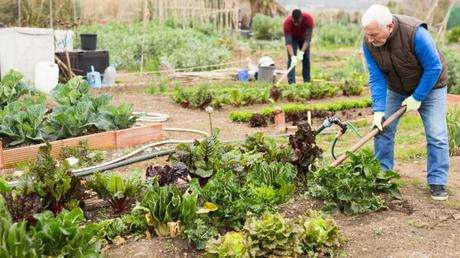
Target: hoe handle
x=284, y=75
x=370, y=135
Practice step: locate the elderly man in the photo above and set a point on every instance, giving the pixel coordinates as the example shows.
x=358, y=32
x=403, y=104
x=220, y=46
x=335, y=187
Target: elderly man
x=297, y=29
x=406, y=68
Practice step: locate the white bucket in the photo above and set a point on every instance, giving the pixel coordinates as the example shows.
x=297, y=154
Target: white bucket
x=63, y=39
x=46, y=76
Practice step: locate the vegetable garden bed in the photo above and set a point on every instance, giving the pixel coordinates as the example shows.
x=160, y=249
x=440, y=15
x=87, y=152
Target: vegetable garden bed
x=105, y=140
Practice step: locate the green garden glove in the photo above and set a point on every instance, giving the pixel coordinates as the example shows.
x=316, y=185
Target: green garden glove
x=294, y=61
x=300, y=55
x=411, y=104
x=378, y=120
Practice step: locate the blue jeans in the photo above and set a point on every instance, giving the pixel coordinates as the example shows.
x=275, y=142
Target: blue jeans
x=296, y=44
x=433, y=113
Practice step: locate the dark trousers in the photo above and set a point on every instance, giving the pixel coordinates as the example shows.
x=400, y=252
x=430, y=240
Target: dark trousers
x=296, y=45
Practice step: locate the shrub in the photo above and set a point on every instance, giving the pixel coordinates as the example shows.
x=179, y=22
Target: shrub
x=453, y=69
x=454, y=35
x=338, y=35
x=453, y=125
x=266, y=27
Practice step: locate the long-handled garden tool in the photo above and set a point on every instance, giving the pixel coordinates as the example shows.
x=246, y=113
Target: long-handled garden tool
x=370, y=135
x=284, y=75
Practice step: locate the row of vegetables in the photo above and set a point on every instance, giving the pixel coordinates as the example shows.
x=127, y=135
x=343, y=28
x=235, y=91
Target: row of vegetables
x=245, y=94
x=221, y=197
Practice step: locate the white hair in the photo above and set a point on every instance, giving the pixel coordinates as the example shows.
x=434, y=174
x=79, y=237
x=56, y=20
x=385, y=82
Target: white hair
x=378, y=13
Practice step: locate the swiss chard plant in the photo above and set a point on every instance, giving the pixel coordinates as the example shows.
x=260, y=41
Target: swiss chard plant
x=229, y=197
x=202, y=158
x=167, y=174
x=166, y=204
x=119, y=192
x=22, y=202
x=354, y=186
x=54, y=182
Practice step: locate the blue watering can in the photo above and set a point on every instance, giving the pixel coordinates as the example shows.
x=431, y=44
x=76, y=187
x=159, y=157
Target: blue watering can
x=94, y=78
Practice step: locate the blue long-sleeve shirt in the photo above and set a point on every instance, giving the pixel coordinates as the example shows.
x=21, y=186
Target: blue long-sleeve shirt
x=428, y=56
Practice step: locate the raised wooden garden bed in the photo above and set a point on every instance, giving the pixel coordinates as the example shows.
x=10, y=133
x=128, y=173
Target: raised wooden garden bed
x=106, y=140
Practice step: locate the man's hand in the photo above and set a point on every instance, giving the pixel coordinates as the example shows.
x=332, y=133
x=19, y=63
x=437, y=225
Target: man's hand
x=294, y=61
x=411, y=104
x=299, y=56
x=378, y=120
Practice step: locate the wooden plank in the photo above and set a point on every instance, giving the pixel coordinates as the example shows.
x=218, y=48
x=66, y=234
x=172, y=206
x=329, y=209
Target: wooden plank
x=105, y=140
x=138, y=135
x=27, y=153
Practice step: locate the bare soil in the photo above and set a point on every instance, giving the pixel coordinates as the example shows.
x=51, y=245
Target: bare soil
x=415, y=226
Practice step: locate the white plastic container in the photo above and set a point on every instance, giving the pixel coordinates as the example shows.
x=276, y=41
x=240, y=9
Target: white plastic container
x=63, y=39
x=110, y=74
x=46, y=76
x=22, y=48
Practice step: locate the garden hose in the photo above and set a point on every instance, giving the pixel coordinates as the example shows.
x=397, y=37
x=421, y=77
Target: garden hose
x=123, y=161
x=151, y=117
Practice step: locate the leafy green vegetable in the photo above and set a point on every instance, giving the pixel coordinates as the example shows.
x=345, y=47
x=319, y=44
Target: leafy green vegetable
x=201, y=158
x=22, y=202
x=319, y=234
x=23, y=121
x=69, y=121
x=120, y=117
x=63, y=236
x=166, y=204
x=54, y=182
x=14, y=238
x=72, y=92
x=353, y=186
x=268, y=147
x=120, y=193
x=167, y=174
x=199, y=233
x=243, y=116
x=109, y=229
x=11, y=88
x=233, y=244
x=304, y=145
x=272, y=236
x=229, y=196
